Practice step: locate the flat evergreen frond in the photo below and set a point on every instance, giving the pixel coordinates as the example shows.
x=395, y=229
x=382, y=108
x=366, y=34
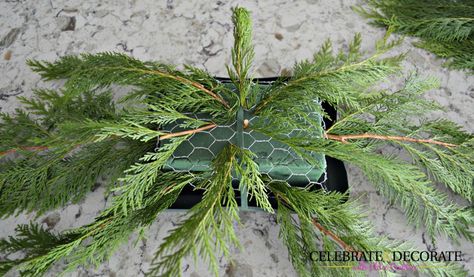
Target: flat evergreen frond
x=25, y=184
x=61, y=69
x=445, y=28
x=209, y=225
x=445, y=129
x=32, y=239
x=162, y=116
x=37, y=124
x=455, y=171
x=290, y=234
x=458, y=54
x=128, y=129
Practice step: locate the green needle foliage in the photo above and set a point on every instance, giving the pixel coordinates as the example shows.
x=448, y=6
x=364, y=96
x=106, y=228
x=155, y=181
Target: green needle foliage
x=444, y=27
x=57, y=147
x=242, y=54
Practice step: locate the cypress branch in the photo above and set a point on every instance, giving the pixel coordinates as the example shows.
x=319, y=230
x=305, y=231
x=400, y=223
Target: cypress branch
x=64, y=140
x=445, y=28
x=344, y=138
x=242, y=54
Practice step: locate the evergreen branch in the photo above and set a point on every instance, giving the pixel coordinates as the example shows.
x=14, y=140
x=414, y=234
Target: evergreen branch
x=457, y=53
x=32, y=239
x=142, y=176
x=345, y=224
x=128, y=129
x=251, y=178
x=24, y=148
x=282, y=196
x=344, y=138
x=54, y=107
x=386, y=111
x=134, y=126
x=103, y=69
x=447, y=167
x=89, y=244
x=43, y=182
x=400, y=182
x=124, y=133
x=445, y=28
x=331, y=235
x=333, y=80
x=242, y=53
x=297, y=252
x=407, y=185
x=209, y=225
x=188, y=82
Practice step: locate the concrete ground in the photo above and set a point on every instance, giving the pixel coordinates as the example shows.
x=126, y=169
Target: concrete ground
x=199, y=33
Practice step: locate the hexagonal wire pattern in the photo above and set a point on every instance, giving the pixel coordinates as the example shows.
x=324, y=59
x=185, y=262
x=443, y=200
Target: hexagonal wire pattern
x=276, y=160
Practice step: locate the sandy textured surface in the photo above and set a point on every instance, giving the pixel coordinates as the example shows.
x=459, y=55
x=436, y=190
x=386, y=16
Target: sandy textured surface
x=200, y=34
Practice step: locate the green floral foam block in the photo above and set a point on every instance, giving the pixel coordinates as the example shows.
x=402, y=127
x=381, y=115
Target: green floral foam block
x=275, y=159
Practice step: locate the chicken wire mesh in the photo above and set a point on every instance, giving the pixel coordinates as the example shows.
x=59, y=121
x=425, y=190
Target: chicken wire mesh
x=275, y=160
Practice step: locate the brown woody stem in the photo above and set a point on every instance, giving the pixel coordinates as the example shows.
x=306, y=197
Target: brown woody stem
x=189, y=82
x=167, y=136
x=27, y=148
x=322, y=229
x=344, y=138
x=188, y=132
x=332, y=236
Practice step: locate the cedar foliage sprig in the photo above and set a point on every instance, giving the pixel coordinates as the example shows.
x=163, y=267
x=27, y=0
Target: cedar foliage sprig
x=445, y=28
x=64, y=140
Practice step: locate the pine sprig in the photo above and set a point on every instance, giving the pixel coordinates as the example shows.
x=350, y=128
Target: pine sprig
x=31, y=239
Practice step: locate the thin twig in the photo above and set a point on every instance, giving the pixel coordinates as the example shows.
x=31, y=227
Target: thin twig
x=332, y=235
x=27, y=148
x=201, y=87
x=344, y=138
x=187, y=132
x=189, y=82
x=167, y=136
x=177, y=78
x=321, y=228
